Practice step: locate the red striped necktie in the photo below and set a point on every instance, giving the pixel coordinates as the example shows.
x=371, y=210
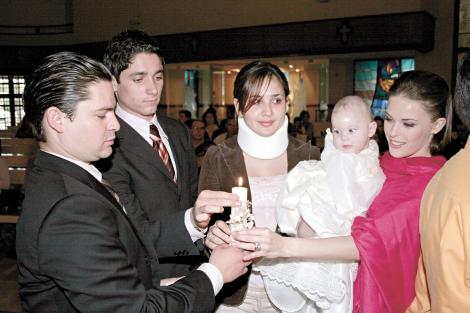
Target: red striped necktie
x=160, y=148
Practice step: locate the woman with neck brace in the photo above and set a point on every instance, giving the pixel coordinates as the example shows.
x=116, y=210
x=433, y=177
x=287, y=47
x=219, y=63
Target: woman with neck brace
x=261, y=155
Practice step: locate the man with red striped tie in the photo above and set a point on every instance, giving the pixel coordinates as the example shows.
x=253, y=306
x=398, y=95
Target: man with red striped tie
x=153, y=167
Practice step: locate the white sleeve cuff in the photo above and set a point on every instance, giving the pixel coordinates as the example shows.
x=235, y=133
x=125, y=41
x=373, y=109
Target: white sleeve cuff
x=214, y=275
x=193, y=232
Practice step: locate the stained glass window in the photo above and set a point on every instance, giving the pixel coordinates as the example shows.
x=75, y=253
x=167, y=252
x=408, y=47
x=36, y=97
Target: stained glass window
x=373, y=79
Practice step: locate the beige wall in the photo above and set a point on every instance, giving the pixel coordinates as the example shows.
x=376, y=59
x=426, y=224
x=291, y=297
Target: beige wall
x=439, y=60
x=99, y=20
x=173, y=91
x=341, y=77
x=34, y=12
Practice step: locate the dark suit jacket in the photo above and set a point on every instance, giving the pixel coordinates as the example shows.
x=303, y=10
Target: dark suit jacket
x=147, y=191
x=222, y=166
x=79, y=252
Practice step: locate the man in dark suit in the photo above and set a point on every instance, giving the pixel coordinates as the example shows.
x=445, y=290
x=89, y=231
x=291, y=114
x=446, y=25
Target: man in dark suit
x=77, y=249
x=149, y=188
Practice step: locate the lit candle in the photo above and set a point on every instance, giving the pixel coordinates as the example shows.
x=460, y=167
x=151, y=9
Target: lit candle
x=241, y=192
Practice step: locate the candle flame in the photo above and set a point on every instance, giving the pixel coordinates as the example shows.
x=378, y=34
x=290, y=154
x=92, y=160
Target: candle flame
x=240, y=181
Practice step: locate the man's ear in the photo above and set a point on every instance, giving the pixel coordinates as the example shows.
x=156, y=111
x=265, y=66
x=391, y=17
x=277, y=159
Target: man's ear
x=438, y=125
x=55, y=119
x=115, y=84
x=372, y=128
x=237, y=106
x=287, y=104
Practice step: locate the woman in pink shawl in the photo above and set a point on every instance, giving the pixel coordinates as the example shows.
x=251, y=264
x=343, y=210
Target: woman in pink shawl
x=385, y=241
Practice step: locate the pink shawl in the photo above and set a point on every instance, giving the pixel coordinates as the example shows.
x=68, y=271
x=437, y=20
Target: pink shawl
x=388, y=238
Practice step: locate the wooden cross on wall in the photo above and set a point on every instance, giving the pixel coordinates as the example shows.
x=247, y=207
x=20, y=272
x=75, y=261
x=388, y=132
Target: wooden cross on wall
x=344, y=31
x=194, y=44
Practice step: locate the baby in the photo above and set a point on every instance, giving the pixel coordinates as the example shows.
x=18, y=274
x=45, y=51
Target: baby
x=326, y=195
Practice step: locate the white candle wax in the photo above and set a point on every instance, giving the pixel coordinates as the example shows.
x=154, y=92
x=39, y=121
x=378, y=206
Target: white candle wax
x=241, y=192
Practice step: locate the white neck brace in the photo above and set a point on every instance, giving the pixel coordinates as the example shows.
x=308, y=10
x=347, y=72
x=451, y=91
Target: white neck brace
x=262, y=147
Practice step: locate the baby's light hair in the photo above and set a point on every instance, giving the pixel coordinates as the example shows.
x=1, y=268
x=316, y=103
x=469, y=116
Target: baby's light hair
x=350, y=101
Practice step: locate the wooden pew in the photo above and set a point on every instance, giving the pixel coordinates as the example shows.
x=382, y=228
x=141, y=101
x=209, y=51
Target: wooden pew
x=8, y=219
x=18, y=154
x=17, y=160
x=26, y=146
x=17, y=176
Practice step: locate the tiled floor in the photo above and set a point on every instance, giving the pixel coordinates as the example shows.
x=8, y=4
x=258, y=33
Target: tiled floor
x=9, y=299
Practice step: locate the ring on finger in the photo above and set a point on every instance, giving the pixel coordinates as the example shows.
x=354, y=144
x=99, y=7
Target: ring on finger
x=257, y=246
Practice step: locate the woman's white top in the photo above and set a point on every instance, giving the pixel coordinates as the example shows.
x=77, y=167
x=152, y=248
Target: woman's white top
x=327, y=194
x=264, y=193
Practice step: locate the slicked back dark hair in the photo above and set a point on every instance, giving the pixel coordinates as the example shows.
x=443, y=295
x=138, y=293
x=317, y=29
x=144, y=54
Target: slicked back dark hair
x=123, y=47
x=61, y=80
x=250, y=80
x=462, y=91
x=432, y=92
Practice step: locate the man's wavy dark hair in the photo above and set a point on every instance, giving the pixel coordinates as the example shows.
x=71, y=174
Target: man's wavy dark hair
x=123, y=47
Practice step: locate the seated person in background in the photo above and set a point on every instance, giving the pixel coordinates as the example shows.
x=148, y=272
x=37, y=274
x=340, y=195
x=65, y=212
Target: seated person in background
x=327, y=195
x=230, y=114
x=210, y=119
x=298, y=131
x=307, y=126
x=199, y=141
x=231, y=130
x=380, y=135
x=184, y=116
x=198, y=133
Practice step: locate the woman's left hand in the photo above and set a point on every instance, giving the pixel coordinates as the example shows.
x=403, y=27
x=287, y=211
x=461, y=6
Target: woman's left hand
x=262, y=241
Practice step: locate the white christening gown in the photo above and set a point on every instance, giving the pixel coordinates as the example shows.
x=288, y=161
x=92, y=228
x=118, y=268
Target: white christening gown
x=327, y=194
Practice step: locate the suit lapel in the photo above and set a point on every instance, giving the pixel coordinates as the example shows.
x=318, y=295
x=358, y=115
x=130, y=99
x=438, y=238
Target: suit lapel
x=56, y=164
x=134, y=144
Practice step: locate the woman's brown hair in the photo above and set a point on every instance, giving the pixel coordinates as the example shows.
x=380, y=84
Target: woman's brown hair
x=250, y=80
